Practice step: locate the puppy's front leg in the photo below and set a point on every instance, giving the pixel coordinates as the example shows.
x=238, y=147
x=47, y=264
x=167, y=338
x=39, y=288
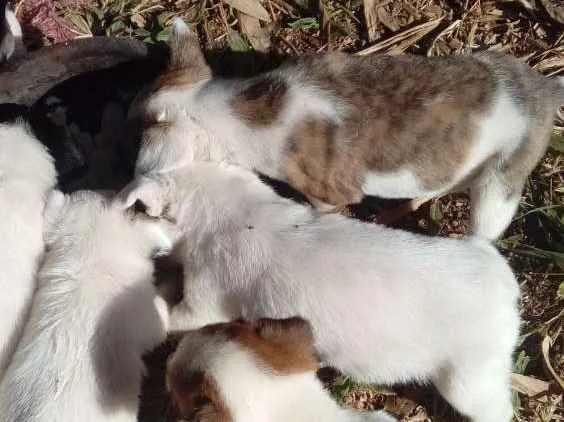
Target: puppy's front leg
x=203, y=304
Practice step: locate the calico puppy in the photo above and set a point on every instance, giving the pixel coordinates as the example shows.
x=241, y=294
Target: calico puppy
x=27, y=175
x=386, y=306
x=94, y=313
x=338, y=127
x=254, y=372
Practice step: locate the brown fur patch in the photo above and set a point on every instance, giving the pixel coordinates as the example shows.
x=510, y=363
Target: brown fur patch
x=197, y=396
x=323, y=167
x=260, y=103
x=283, y=345
x=180, y=78
x=402, y=112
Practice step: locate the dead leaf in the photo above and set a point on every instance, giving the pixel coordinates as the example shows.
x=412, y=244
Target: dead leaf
x=400, y=406
x=250, y=7
x=402, y=41
x=138, y=20
x=371, y=15
x=528, y=385
x=555, y=9
x=387, y=20
x=258, y=36
x=546, y=344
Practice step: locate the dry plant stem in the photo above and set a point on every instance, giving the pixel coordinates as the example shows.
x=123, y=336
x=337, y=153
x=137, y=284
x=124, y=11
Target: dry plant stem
x=402, y=41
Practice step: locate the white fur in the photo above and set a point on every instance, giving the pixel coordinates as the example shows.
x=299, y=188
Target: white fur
x=27, y=174
x=94, y=313
x=201, y=113
x=13, y=23
x=501, y=132
x=253, y=394
x=386, y=305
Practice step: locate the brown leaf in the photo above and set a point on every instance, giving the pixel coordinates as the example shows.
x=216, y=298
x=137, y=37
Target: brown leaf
x=546, y=344
x=555, y=9
x=258, y=36
x=250, y=7
x=528, y=385
x=371, y=15
x=387, y=20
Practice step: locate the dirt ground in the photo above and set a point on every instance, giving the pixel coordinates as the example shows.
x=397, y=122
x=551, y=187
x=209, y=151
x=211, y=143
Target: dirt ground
x=534, y=244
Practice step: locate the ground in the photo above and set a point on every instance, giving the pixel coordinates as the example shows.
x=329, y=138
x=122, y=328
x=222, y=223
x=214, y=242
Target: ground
x=534, y=244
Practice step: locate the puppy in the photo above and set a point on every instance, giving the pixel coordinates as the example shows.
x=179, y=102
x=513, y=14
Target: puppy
x=253, y=372
x=386, y=306
x=27, y=174
x=337, y=127
x=94, y=313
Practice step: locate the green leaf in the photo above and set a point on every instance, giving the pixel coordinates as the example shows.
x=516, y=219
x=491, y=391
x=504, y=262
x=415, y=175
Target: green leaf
x=436, y=212
x=142, y=33
x=560, y=293
x=521, y=362
x=236, y=42
x=162, y=36
x=557, y=141
x=116, y=27
x=304, y=23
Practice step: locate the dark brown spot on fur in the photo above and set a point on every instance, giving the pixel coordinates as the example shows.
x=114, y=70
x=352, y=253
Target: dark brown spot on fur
x=260, y=103
x=401, y=112
x=283, y=345
x=196, y=397
x=323, y=167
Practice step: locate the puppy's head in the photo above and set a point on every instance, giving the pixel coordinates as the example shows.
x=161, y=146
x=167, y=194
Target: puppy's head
x=159, y=114
x=95, y=216
x=217, y=371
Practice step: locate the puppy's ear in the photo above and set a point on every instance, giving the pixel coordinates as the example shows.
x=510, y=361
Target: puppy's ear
x=53, y=209
x=185, y=50
x=145, y=195
x=290, y=330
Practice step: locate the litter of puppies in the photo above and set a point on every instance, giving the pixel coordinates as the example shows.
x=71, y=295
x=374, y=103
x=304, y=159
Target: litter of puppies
x=271, y=288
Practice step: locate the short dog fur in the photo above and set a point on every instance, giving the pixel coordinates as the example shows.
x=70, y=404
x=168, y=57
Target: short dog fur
x=338, y=127
x=27, y=174
x=254, y=372
x=386, y=305
x=94, y=313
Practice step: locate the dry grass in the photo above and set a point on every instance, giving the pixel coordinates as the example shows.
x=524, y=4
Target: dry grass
x=530, y=29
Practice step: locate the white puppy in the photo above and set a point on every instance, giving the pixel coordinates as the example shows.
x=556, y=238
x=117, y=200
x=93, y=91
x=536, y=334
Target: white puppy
x=93, y=315
x=27, y=174
x=245, y=372
x=386, y=305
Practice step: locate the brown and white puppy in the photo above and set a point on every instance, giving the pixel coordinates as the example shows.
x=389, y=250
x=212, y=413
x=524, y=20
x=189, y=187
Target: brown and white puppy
x=254, y=372
x=387, y=306
x=338, y=127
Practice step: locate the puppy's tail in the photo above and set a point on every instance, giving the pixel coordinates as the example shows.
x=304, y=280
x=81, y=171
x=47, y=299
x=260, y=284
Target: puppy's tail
x=11, y=42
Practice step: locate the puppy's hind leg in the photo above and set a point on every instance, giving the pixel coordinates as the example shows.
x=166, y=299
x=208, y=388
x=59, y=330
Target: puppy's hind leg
x=494, y=202
x=479, y=391
x=496, y=192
